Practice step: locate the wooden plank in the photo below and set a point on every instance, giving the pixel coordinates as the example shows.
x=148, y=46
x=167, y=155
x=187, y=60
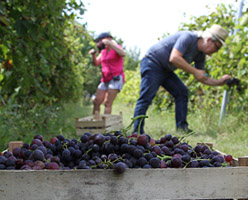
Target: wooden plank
x=145, y=184
x=116, y=126
x=90, y=124
x=112, y=120
x=93, y=131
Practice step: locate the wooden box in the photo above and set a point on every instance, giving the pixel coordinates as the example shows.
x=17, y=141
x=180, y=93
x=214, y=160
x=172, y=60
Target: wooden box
x=99, y=123
x=146, y=184
x=243, y=161
x=134, y=184
x=14, y=144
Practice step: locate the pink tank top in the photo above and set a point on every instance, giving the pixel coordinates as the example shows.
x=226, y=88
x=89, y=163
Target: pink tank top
x=112, y=65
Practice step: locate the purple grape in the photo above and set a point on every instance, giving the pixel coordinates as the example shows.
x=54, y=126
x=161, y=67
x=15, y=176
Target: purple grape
x=198, y=148
x=155, y=162
x=2, y=166
x=186, y=158
x=141, y=161
x=3, y=160
x=120, y=167
x=147, y=166
x=138, y=153
x=168, y=136
x=38, y=155
x=204, y=163
x=175, y=140
x=176, y=162
x=169, y=144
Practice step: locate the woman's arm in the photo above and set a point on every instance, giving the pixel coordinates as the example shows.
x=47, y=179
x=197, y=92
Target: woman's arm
x=114, y=46
x=96, y=59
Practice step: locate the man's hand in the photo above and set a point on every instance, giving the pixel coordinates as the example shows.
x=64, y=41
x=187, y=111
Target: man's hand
x=216, y=82
x=200, y=75
x=224, y=79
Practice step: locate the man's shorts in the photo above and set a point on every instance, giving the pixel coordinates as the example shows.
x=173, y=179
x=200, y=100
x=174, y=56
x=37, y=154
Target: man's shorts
x=112, y=84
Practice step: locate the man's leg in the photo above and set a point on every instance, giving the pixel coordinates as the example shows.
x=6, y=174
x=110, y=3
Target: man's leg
x=179, y=91
x=150, y=82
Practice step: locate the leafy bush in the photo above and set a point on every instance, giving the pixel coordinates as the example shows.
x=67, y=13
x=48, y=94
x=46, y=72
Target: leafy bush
x=41, y=60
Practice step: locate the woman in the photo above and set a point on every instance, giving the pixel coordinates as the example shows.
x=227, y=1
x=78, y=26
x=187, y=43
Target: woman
x=111, y=59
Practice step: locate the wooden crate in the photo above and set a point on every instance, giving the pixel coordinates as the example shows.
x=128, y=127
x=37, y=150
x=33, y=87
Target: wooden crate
x=145, y=184
x=243, y=161
x=14, y=144
x=98, y=123
x=133, y=184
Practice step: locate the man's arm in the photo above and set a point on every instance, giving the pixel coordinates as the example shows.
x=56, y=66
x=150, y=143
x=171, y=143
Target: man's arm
x=176, y=58
x=215, y=82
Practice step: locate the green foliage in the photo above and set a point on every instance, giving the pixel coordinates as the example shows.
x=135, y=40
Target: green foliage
x=131, y=60
x=17, y=122
x=40, y=57
x=91, y=74
x=130, y=92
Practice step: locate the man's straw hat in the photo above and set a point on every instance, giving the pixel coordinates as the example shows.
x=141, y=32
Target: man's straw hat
x=218, y=33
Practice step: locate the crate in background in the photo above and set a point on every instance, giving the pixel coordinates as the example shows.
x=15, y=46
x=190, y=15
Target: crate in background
x=243, y=161
x=98, y=123
x=14, y=144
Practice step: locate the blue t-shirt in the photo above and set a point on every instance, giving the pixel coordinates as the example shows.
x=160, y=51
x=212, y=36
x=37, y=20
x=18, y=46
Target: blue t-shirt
x=183, y=41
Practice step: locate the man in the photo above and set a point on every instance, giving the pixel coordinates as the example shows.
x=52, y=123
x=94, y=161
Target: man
x=177, y=51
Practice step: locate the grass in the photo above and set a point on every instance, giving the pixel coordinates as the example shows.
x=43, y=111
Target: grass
x=231, y=137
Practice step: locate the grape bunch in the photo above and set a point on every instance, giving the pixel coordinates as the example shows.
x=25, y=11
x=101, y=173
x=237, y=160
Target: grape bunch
x=112, y=150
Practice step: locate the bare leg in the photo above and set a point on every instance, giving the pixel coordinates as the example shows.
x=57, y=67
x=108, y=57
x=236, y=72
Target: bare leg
x=109, y=99
x=100, y=95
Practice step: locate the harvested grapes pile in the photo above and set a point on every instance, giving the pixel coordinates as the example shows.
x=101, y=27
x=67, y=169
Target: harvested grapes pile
x=110, y=151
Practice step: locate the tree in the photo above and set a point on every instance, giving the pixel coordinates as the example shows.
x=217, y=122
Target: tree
x=40, y=62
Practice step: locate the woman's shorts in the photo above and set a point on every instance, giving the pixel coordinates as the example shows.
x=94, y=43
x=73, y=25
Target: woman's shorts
x=115, y=83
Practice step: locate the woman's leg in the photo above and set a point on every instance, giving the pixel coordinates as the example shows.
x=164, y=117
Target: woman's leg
x=109, y=99
x=100, y=95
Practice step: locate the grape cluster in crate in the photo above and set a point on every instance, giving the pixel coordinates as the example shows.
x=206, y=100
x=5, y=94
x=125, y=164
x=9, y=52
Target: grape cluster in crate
x=113, y=150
